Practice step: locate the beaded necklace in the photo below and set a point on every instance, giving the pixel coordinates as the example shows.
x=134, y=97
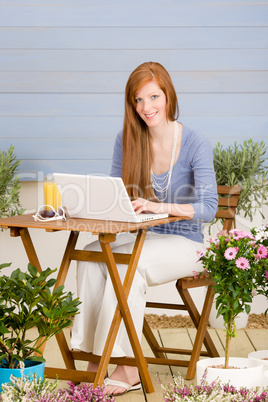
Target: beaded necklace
x=161, y=185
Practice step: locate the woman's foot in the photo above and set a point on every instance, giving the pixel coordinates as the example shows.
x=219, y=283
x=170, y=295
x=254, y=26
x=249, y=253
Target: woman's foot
x=127, y=374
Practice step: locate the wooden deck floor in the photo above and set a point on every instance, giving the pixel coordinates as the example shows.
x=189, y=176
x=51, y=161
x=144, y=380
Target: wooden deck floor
x=247, y=340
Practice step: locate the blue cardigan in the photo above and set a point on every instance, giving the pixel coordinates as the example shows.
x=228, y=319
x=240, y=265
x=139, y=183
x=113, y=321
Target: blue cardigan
x=192, y=182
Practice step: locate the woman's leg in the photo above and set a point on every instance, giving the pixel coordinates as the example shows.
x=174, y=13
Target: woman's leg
x=164, y=258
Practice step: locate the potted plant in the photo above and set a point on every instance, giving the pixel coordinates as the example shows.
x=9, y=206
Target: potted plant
x=9, y=184
x=261, y=238
x=215, y=391
x=26, y=302
x=233, y=260
x=42, y=390
x=244, y=164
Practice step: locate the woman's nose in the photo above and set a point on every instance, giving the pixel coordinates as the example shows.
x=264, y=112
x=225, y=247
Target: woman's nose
x=146, y=105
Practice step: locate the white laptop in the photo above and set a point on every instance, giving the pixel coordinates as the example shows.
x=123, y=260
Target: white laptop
x=98, y=197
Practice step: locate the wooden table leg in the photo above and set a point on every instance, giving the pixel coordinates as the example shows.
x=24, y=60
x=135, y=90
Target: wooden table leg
x=29, y=248
x=122, y=292
x=63, y=271
x=66, y=260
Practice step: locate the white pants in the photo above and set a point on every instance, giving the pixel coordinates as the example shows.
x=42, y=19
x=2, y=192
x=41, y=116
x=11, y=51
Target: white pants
x=164, y=258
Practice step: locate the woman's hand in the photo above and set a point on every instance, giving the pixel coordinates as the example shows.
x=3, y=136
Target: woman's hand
x=141, y=205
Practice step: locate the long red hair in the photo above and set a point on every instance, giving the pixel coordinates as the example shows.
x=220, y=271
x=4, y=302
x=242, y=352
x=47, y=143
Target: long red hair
x=137, y=148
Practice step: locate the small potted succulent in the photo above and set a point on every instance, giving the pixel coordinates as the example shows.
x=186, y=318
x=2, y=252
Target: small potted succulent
x=234, y=260
x=27, y=302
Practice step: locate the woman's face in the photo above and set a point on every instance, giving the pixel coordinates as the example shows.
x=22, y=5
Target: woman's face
x=151, y=104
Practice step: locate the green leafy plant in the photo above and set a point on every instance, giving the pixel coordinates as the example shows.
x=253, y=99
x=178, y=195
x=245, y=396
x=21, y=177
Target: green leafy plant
x=9, y=184
x=244, y=165
x=233, y=260
x=27, y=301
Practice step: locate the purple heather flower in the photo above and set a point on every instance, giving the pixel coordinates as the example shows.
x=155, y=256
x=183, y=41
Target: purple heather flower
x=230, y=253
x=262, y=252
x=242, y=263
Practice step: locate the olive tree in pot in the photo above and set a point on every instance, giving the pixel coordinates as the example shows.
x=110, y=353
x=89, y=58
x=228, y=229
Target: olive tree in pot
x=244, y=164
x=233, y=260
x=27, y=302
x=9, y=184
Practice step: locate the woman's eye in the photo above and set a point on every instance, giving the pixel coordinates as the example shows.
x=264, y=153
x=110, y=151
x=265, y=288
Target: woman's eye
x=137, y=100
x=154, y=96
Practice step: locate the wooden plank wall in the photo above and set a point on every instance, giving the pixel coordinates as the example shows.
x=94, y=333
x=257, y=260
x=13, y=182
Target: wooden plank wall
x=64, y=65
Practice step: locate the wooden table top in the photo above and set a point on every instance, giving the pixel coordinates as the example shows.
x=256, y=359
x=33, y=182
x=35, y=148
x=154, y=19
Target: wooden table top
x=82, y=225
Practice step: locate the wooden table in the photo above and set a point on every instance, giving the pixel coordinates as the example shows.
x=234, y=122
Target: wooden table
x=106, y=232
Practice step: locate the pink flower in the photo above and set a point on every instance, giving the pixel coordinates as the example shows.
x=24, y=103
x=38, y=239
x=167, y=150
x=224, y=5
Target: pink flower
x=247, y=235
x=266, y=274
x=214, y=240
x=230, y=253
x=222, y=233
x=242, y=263
x=262, y=252
x=195, y=274
x=236, y=233
x=200, y=255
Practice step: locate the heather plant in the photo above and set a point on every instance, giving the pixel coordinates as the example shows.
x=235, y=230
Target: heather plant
x=27, y=389
x=234, y=260
x=30, y=388
x=215, y=391
x=84, y=393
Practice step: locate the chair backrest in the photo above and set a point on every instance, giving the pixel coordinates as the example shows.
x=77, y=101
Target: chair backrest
x=228, y=201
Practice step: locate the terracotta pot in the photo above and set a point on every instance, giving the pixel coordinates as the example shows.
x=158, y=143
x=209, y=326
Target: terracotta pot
x=248, y=374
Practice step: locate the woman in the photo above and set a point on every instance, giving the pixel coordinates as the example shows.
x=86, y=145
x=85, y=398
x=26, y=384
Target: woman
x=166, y=167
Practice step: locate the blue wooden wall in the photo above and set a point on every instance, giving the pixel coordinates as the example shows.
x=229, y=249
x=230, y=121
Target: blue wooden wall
x=64, y=65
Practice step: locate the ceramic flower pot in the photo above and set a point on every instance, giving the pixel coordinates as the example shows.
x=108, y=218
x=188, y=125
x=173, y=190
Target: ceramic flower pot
x=248, y=374
x=31, y=367
x=265, y=380
x=260, y=356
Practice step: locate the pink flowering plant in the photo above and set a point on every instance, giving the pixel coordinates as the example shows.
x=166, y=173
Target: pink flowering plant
x=234, y=260
x=261, y=237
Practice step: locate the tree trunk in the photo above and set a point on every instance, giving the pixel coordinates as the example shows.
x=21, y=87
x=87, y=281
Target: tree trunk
x=229, y=331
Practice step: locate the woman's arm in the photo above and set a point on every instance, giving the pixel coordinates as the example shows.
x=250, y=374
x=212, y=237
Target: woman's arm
x=203, y=201
x=141, y=205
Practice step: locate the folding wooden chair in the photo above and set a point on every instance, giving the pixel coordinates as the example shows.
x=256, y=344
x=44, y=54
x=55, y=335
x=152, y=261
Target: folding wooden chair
x=228, y=201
